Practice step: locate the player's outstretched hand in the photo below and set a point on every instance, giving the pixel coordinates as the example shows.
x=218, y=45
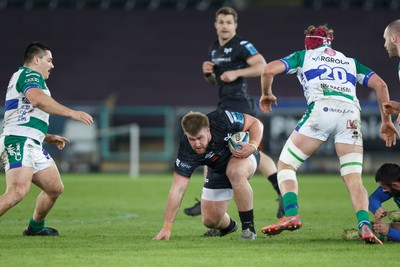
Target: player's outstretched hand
x=58, y=141
x=266, y=102
x=163, y=234
x=389, y=133
x=82, y=116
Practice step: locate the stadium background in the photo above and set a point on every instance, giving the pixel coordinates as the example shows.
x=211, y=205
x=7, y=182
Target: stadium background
x=140, y=62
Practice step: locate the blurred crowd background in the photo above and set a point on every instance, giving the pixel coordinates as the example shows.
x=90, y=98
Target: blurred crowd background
x=139, y=61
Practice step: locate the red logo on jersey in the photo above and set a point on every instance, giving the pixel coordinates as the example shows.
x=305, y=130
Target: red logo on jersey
x=330, y=51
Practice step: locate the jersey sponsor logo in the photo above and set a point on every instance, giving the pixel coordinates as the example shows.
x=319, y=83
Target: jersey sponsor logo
x=218, y=60
x=330, y=59
x=227, y=50
x=183, y=165
x=31, y=80
x=342, y=89
x=330, y=51
x=212, y=156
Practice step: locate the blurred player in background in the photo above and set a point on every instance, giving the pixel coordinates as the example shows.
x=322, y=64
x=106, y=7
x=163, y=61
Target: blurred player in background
x=26, y=121
x=388, y=178
x=392, y=46
x=329, y=82
x=232, y=59
x=205, y=143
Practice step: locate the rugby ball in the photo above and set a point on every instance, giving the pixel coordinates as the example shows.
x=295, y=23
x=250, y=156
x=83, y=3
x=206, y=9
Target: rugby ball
x=243, y=137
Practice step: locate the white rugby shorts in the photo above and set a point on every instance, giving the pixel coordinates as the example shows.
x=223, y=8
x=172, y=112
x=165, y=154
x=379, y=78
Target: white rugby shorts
x=332, y=117
x=18, y=151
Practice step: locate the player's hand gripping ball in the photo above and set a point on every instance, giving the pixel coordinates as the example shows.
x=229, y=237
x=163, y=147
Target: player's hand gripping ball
x=243, y=137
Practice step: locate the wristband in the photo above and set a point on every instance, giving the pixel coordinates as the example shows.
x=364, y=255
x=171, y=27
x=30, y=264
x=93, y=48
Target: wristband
x=253, y=145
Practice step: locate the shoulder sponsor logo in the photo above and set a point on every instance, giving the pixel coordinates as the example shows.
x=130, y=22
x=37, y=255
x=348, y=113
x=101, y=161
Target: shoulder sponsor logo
x=229, y=116
x=183, y=165
x=236, y=116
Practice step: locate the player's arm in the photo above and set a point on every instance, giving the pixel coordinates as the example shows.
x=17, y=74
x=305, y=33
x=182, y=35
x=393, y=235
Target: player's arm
x=175, y=197
x=256, y=64
x=208, y=72
x=46, y=103
x=267, y=77
x=388, y=130
x=394, y=234
x=375, y=202
x=255, y=129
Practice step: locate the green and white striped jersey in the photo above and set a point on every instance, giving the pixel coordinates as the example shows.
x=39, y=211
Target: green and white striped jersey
x=327, y=73
x=21, y=118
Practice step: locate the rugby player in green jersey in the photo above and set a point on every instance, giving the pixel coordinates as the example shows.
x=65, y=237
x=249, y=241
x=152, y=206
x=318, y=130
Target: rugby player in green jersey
x=26, y=121
x=328, y=79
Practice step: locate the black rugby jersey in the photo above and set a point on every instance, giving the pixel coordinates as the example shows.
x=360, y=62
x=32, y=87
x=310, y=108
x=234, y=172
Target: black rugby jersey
x=233, y=56
x=223, y=124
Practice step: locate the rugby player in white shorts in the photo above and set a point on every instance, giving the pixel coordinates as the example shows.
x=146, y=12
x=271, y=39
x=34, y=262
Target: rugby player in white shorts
x=329, y=79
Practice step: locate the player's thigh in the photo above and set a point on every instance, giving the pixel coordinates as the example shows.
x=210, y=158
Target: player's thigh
x=239, y=168
x=308, y=145
x=344, y=149
x=49, y=179
x=19, y=178
x=213, y=209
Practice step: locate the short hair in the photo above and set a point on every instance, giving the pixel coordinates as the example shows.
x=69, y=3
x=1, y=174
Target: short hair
x=388, y=173
x=394, y=27
x=227, y=11
x=35, y=49
x=193, y=122
x=321, y=30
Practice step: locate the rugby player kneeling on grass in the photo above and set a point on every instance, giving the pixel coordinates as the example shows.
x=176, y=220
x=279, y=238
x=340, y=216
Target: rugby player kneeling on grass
x=205, y=142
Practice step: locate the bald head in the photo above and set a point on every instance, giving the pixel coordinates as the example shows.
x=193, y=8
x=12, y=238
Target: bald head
x=392, y=38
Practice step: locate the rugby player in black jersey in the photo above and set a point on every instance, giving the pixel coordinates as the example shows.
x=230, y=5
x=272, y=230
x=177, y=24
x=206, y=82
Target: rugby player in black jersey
x=205, y=142
x=232, y=59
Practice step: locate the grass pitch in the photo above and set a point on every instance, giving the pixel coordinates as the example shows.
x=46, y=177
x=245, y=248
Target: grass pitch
x=110, y=220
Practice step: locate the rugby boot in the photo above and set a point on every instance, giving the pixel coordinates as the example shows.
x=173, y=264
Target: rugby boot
x=290, y=223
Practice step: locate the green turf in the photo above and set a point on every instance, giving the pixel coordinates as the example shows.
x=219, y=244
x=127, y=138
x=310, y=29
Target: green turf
x=110, y=220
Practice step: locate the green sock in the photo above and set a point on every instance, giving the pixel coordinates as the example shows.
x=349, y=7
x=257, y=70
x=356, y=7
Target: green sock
x=363, y=218
x=36, y=225
x=291, y=204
